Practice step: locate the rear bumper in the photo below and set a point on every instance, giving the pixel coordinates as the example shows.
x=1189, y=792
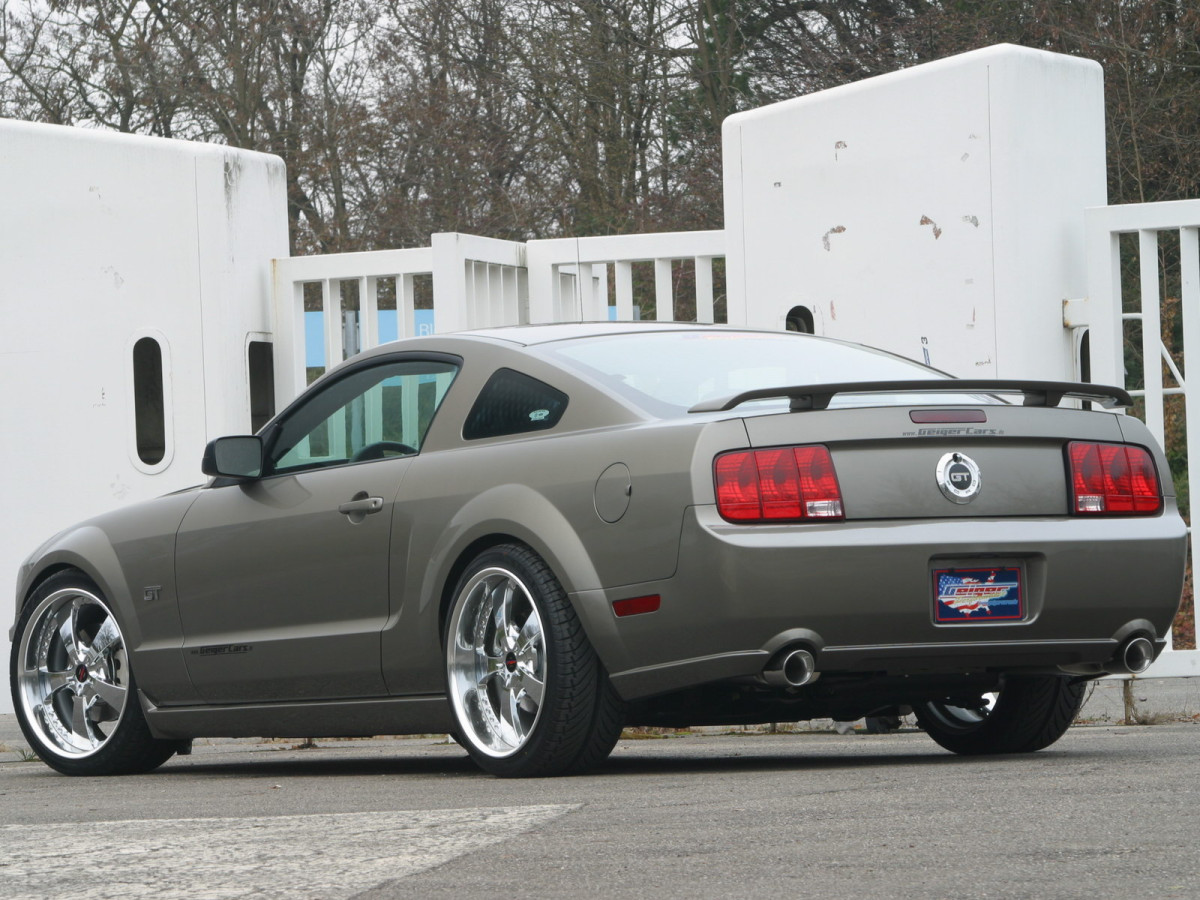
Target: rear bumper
x=859, y=595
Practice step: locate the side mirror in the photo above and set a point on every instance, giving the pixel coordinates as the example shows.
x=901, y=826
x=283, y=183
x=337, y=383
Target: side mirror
x=234, y=457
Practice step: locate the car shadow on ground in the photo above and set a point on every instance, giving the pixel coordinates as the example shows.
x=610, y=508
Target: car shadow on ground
x=624, y=763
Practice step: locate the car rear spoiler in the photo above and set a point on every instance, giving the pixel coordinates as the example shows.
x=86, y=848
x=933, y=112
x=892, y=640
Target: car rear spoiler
x=1036, y=393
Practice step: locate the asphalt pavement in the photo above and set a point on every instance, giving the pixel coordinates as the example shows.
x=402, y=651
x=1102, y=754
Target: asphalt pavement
x=1108, y=811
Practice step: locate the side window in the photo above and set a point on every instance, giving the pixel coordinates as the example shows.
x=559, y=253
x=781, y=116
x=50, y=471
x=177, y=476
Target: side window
x=370, y=414
x=512, y=403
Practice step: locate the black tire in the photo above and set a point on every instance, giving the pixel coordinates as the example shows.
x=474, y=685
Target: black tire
x=529, y=696
x=607, y=724
x=1030, y=713
x=72, y=686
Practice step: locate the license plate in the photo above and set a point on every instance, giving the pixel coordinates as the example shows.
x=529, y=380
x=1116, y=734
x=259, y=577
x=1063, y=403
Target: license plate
x=977, y=595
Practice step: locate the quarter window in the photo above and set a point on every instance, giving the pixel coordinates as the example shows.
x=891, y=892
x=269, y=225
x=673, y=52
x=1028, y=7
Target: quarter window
x=513, y=403
x=371, y=413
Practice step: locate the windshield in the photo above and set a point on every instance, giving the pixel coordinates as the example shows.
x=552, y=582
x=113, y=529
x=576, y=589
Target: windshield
x=669, y=372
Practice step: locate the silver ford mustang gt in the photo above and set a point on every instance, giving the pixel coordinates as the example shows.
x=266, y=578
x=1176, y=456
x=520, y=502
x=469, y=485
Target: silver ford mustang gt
x=531, y=537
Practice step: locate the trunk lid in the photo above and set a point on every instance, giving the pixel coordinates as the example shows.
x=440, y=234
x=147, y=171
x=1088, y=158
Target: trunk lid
x=888, y=465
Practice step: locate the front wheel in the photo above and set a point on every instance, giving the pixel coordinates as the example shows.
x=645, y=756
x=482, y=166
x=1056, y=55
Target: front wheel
x=529, y=695
x=1030, y=713
x=73, y=690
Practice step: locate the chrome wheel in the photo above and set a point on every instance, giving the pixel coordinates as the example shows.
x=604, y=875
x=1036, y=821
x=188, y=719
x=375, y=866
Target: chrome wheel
x=71, y=673
x=1028, y=713
x=496, y=661
x=961, y=718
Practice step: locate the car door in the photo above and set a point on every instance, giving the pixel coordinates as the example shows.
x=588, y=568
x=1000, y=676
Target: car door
x=283, y=580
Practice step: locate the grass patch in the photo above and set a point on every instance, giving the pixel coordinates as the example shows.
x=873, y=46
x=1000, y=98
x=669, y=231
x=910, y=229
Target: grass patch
x=24, y=754
x=650, y=733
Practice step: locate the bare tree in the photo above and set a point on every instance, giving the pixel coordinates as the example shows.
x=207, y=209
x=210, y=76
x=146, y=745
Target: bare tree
x=527, y=118
x=283, y=76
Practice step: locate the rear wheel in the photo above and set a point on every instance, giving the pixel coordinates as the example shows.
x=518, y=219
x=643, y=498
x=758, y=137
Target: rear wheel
x=529, y=695
x=1030, y=712
x=73, y=690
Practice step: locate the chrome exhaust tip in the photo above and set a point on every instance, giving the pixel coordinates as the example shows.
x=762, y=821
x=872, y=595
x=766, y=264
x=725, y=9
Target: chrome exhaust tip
x=1137, y=655
x=794, y=668
x=1132, y=658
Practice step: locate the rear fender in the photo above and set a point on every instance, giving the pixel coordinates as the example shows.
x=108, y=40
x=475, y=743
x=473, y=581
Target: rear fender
x=412, y=641
x=521, y=513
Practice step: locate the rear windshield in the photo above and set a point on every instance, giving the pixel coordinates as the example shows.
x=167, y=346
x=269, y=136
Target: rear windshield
x=668, y=372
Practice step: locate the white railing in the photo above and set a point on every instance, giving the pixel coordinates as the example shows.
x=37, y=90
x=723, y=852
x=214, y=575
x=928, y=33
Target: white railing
x=568, y=277
x=1106, y=318
x=477, y=283
x=292, y=274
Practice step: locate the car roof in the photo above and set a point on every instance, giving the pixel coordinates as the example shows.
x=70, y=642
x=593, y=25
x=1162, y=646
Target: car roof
x=529, y=335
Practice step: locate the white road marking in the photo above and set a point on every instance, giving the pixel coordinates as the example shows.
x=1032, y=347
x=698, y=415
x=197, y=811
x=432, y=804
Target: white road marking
x=317, y=856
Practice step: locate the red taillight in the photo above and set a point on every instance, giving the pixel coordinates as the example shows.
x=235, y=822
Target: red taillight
x=781, y=484
x=737, y=486
x=1112, y=480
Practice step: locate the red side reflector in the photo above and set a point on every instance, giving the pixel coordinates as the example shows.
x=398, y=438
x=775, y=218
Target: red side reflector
x=778, y=484
x=635, y=606
x=1113, y=480
x=946, y=416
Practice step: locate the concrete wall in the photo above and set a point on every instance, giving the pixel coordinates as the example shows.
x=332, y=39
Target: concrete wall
x=936, y=212
x=105, y=239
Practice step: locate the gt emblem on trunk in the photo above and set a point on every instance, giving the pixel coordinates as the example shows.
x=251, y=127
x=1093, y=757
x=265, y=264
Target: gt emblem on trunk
x=958, y=478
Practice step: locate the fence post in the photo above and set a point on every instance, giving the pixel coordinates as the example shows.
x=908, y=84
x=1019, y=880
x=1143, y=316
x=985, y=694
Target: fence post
x=664, y=294
x=450, y=311
x=1106, y=337
x=331, y=303
x=542, y=260
x=368, y=312
x=287, y=298
x=704, y=289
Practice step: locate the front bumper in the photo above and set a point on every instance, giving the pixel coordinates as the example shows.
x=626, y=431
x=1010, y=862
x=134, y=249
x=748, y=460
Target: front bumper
x=859, y=594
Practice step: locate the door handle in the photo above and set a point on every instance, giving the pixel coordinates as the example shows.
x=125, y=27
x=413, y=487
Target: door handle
x=362, y=506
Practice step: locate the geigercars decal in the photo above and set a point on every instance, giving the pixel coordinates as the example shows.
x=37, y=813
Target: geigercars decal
x=222, y=649
x=952, y=431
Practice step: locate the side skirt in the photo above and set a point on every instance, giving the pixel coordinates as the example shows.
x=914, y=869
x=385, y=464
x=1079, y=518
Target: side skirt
x=330, y=718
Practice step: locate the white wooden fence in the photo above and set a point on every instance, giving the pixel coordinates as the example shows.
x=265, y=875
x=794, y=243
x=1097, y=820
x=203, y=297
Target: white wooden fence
x=568, y=277
x=480, y=282
x=1106, y=320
